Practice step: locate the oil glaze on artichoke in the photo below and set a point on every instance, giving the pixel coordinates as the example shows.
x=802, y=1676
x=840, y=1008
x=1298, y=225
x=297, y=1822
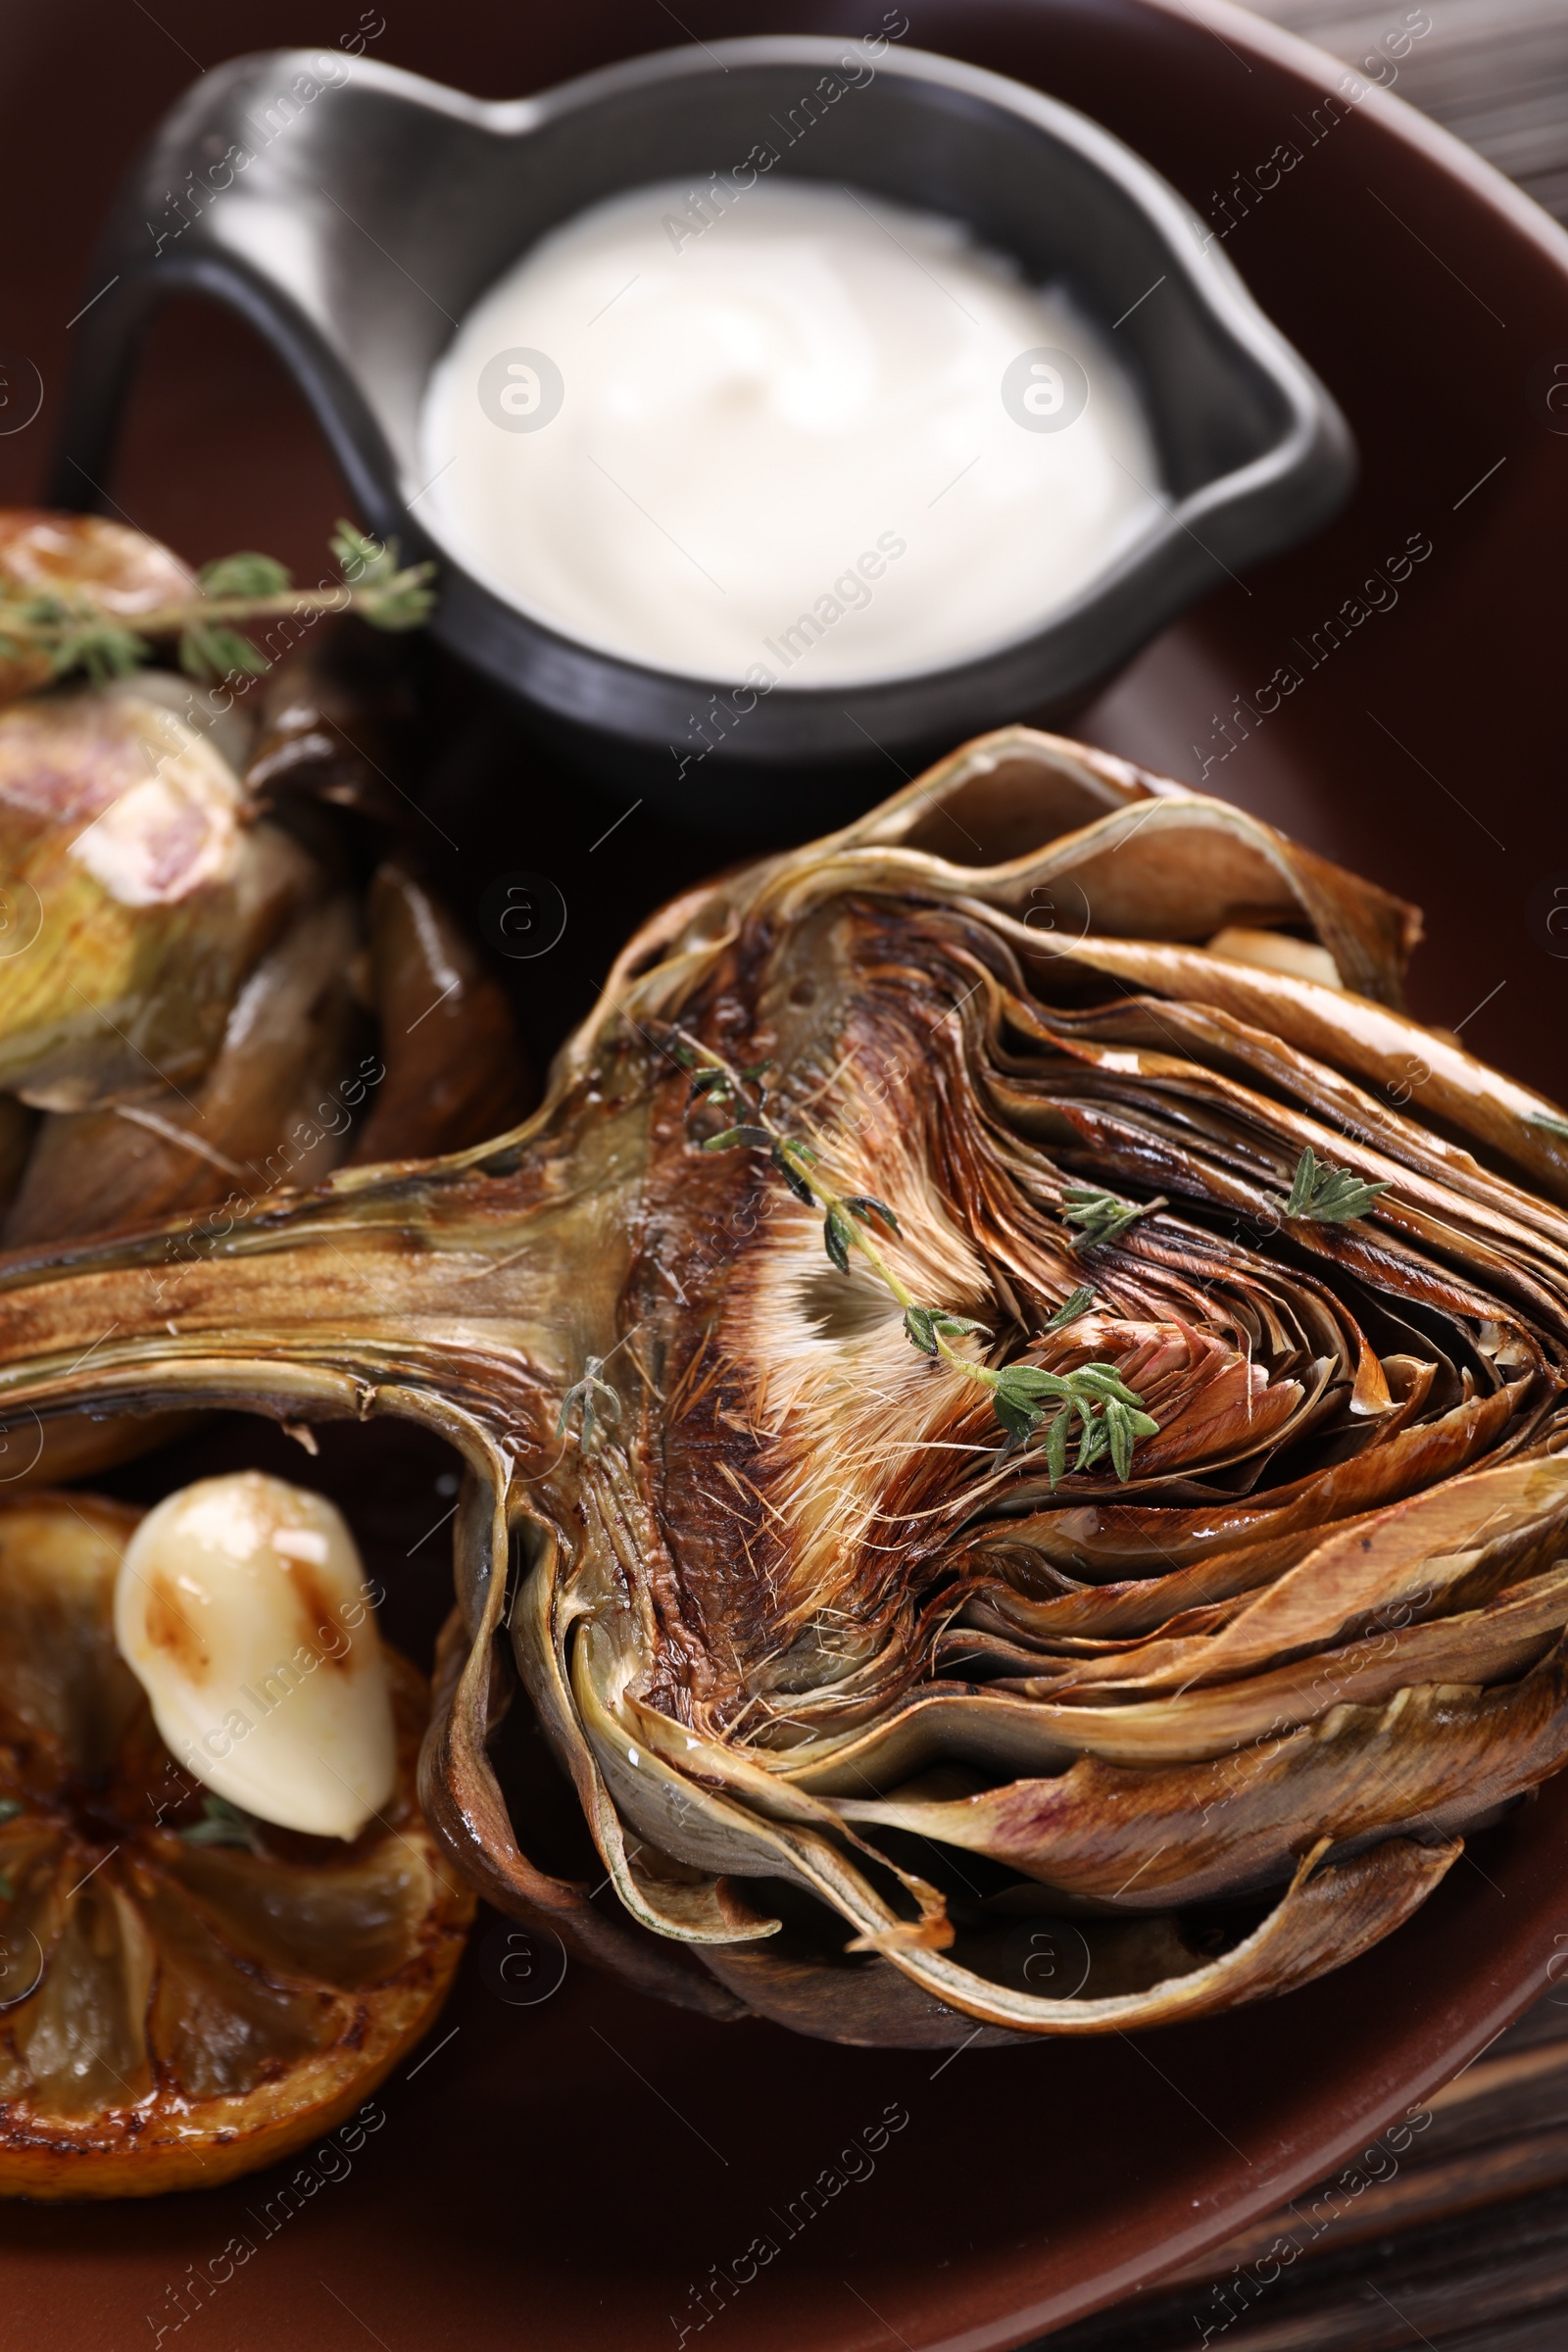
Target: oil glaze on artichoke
x=864, y=1713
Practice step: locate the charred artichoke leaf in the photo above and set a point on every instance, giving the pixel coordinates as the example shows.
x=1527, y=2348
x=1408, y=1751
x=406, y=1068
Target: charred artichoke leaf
x=1062, y=837
x=1187, y=1833
x=791, y=1569
x=1460, y=1542
x=1330, y=1914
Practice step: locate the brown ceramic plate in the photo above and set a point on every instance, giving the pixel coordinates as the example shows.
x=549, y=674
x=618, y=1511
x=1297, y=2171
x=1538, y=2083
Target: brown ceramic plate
x=583, y=2169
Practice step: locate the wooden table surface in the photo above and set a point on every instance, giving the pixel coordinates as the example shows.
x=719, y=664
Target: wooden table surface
x=1451, y=2230
x=1493, y=72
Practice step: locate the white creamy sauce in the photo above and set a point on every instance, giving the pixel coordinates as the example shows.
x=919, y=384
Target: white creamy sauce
x=783, y=433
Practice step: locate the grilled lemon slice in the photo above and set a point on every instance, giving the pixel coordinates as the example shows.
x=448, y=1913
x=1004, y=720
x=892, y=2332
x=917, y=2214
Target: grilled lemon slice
x=185, y=1993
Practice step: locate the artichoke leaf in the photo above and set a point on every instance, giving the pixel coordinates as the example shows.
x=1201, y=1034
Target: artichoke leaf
x=746, y=1841
x=1488, y=1643
x=1017, y=1726
x=702, y=1909
x=1365, y=1040
x=1179, y=1834
x=1164, y=1031
x=1330, y=1913
x=1113, y=1533
x=991, y=805
x=461, y=1798
x=1398, y=1567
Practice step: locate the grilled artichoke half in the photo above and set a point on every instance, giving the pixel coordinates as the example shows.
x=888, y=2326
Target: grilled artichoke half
x=877, y=1729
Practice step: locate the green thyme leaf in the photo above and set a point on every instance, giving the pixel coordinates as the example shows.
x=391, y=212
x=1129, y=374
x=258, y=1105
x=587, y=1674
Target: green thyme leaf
x=385, y=595
x=919, y=1323
x=1106, y=1382
x=1028, y=1380
x=364, y=561
x=866, y=1205
x=837, y=1236
x=75, y=637
x=733, y=1137
x=1102, y=1217
x=1110, y=1414
x=1091, y=1446
x=792, y=1175
x=1304, y=1184
x=1081, y=1299
x=1553, y=1125
x=1324, y=1196
x=1019, y=1417
x=246, y=574
x=954, y=1327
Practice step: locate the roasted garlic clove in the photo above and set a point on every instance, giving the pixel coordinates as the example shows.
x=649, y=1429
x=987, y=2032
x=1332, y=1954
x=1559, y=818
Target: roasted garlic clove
x=242, y=1608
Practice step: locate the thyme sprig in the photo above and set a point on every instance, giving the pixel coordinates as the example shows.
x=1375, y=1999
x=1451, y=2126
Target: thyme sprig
x=1110, y=1416
x=73, y=633
x=1324, y=1196
x=1081, y=1299
x=1102, y=1217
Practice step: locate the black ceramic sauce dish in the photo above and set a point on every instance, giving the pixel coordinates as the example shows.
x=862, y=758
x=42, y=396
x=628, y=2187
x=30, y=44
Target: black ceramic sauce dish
x=357, y=242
